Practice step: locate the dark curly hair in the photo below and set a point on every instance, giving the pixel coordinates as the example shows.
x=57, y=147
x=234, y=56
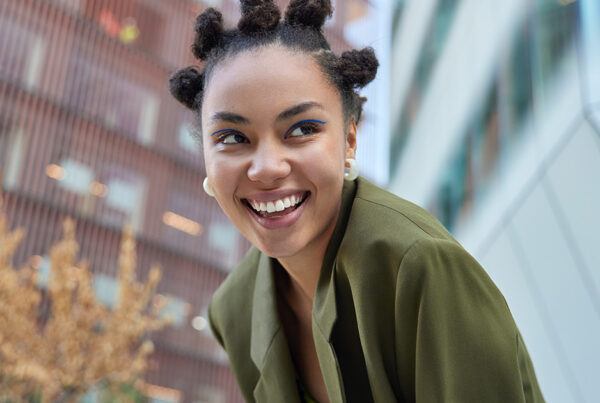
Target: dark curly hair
x=260, y=26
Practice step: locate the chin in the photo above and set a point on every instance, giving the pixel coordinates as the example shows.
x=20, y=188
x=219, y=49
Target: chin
x=277, y=250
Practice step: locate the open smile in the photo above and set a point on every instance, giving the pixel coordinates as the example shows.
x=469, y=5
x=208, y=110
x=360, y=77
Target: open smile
x=278, y=213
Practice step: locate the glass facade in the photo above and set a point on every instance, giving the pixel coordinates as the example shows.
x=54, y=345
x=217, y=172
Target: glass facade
x=590, y=17
x=543, y=48
x=397, y=9
x=434, y=41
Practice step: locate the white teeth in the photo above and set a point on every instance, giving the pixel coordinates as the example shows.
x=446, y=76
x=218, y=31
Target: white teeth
x=276, y=205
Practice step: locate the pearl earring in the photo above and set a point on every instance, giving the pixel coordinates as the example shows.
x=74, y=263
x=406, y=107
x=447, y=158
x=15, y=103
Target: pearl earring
x=207, y=188
x=352, y=172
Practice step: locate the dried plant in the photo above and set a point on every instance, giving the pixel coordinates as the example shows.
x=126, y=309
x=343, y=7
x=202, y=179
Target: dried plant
x=80, y=343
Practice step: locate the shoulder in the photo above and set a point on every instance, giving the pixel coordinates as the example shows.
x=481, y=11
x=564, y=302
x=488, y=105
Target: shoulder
x=383, y=226
x=378, y=206
x=445, y=266
x=439, y=278
x=460, y=319
x=401, y=244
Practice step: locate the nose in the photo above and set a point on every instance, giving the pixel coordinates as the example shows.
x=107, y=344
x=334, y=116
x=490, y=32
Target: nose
x=269, y=163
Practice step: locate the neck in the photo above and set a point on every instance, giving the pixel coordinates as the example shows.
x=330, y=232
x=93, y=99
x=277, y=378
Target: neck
x=303, y=274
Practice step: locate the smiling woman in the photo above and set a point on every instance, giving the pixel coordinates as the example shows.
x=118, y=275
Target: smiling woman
x=349, y=293
x=273, y=134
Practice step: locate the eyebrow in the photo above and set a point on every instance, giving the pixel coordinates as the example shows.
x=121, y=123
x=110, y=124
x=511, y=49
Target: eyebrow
x=286, y=114
x=298, y=109
x=229, y=117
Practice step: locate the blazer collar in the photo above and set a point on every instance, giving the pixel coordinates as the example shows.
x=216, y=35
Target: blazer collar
x=265, y=319
x=268, y=346
x=324, y=304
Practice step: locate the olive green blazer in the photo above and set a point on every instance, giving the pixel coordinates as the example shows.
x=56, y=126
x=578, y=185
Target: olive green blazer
x=401, y=313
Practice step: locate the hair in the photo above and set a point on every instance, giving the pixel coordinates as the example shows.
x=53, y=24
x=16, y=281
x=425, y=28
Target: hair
x=259, y=26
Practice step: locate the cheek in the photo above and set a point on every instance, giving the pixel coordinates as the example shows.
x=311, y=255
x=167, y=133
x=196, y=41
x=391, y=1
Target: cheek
x=222, y=174
x=326, y=164
x=206, y=154
x=210, y=169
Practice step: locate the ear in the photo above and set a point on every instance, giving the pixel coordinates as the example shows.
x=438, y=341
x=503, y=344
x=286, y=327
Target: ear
x=351, y=140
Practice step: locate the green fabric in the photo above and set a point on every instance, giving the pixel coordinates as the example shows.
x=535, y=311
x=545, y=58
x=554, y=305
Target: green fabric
x=401, y=313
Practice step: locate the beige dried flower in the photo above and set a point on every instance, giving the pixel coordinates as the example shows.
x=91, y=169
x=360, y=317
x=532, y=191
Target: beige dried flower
x=80, y=343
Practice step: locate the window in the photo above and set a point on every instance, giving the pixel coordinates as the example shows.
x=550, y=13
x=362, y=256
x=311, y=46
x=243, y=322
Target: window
x=553, y=34
x=23, y=52
x=122, y=104
x=14, y=163
x=75, y=176
x=433, y=44
x=125, y=197
x=525, y=73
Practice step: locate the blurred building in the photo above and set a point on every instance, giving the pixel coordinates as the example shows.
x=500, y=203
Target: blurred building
x=89, y=130
x=496, y=130
x=368, y=23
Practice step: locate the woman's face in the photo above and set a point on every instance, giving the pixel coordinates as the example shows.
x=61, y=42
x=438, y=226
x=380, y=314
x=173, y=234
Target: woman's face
x=274, y=148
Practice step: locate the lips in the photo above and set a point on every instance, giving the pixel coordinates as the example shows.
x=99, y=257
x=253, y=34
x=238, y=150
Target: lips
x=277, y=212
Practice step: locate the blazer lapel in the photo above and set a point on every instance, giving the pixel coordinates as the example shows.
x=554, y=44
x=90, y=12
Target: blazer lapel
x=268, y=346
x=324, y=305
x=324, y=317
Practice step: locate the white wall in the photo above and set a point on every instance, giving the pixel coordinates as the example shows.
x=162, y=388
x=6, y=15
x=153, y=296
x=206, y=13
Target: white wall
x=546, y=261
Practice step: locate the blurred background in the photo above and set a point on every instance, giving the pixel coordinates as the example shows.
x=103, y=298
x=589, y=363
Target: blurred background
x=485, y=112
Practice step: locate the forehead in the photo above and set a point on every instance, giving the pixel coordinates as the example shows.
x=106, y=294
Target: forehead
x=267, y=80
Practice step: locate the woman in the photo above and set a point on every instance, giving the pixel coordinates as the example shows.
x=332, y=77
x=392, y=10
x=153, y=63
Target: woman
x=349, y=293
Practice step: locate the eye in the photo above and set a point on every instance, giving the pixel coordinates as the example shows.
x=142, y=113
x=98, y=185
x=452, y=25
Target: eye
x=304, y=128
x=229, y=137
x=232, y=138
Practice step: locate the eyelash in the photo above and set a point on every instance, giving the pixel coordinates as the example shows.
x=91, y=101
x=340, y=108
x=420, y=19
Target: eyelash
x=227, y=133
x=312, y=124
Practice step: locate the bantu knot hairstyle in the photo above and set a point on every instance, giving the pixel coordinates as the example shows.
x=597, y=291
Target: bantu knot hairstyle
x=357, y=68
x=259, y=26
x=209, y=32
x=308, y=13
x=186, y=86
x=258, y=17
